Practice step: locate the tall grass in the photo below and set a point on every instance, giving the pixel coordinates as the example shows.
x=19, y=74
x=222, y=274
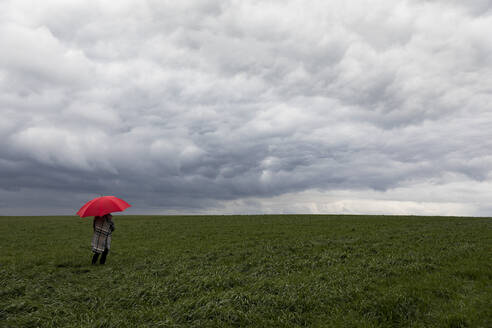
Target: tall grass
x=248, y=271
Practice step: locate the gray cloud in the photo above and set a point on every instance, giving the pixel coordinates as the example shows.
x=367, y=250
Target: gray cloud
x=229, y=106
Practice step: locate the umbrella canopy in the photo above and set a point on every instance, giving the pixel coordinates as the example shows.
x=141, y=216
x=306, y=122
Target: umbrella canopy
x=102, y=205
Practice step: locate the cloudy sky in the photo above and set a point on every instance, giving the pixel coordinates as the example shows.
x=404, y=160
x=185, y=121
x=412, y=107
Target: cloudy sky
x=268, y=106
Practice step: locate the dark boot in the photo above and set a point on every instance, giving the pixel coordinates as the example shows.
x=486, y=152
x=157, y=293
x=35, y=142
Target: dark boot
x=94, y=258
x=103, y=256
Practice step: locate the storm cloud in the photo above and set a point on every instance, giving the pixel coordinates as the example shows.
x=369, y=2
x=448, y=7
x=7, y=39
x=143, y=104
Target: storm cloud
x=247, y=106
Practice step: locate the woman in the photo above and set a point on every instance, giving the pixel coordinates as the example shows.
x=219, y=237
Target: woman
x=101, y=241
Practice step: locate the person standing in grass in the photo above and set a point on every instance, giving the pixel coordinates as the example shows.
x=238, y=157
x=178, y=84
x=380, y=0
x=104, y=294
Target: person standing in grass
x=101, y=240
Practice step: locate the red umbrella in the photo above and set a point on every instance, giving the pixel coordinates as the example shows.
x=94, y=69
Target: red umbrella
x=102, y=205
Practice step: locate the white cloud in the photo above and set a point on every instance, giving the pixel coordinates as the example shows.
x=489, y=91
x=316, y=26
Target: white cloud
x=239, y=106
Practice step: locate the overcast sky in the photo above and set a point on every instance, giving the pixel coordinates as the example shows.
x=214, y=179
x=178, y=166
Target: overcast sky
x=210, y=106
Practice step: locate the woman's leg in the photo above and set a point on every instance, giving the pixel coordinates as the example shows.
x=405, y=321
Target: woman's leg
x=103, y=256
x=94, y=258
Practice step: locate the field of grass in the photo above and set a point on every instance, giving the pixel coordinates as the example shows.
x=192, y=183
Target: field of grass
x=248, y=271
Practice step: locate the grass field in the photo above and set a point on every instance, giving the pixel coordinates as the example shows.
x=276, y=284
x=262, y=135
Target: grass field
x=248, y=271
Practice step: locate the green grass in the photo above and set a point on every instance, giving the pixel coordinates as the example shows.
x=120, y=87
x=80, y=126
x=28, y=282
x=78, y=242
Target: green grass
x=248, y=271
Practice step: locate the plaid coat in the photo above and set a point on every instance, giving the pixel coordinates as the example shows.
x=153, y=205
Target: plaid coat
x=101, y=240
